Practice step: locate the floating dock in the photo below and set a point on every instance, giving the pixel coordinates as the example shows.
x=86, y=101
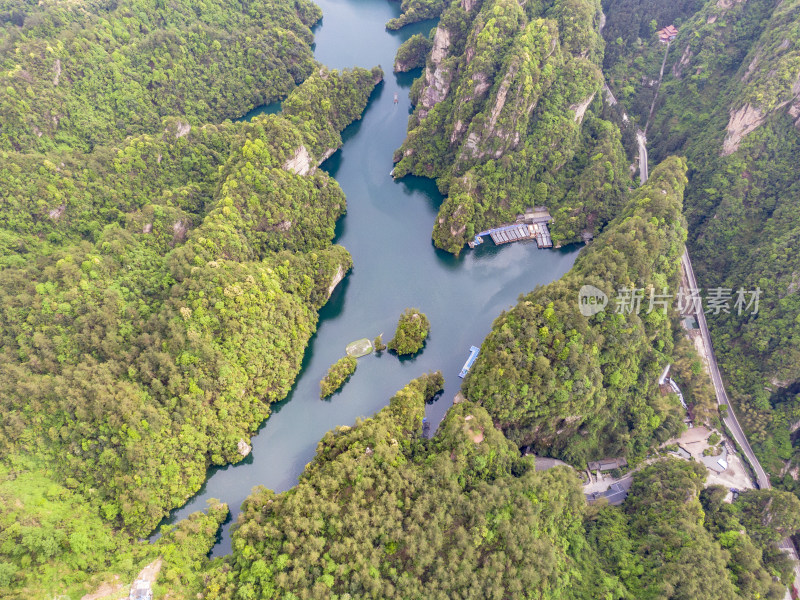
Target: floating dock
x=359, y=348
x=530, y=226
x=473, y=354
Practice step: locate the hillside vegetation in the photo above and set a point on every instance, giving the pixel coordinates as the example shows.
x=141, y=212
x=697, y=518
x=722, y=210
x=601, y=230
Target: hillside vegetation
x=382, y=512
x=337, y=375
x=730, y=102
x=146, y=329
x=579, y=387
x=506, y=117
x=411, y=333
x=79, y=74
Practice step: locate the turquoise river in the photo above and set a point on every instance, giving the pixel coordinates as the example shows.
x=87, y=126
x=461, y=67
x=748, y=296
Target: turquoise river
x=387, y=230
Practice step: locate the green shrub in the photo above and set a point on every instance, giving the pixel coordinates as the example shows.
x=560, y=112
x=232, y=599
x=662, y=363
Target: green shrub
x=412, y=329
x=412, y=53
x=337, y=375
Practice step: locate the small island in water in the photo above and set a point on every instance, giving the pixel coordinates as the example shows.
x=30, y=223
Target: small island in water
x=412, y=330
x=337, y=375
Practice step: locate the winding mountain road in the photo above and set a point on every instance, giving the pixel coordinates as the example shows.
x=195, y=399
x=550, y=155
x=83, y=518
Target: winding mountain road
x=731, y=422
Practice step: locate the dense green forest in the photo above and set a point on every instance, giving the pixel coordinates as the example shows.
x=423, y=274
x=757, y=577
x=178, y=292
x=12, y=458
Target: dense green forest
x=150, y=321
x=634, y=55
x=77, y=75
x=582, y=388
x=414, y=11
x=730, y=101
x=412, y=53
x=162, y=269
x=52, y=542
x=382, y=512
x=507, y=117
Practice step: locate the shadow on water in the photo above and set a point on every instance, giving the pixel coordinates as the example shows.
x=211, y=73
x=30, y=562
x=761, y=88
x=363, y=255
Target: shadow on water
x=405, y=80
x=266, y=109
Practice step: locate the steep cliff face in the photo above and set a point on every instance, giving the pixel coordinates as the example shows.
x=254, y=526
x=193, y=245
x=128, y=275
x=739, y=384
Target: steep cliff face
x=437, y=74
x=742, y=121
x=501, y=112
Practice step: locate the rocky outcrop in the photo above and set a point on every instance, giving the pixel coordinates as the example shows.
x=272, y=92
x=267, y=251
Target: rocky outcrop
x=482, y=84
x=686, y=57
x=300, y=163
x=325, y=156
x=458, y=129
x=726, y=4
x=502, y=93
x=182, y=130
x=794, y=112
x=743, y=121
x=56, y=213
x=437, y=76
x=243, y=448
x=441, y=43
x=179, y=229
x=580, y=108
x=337, y=278
x=752, y=66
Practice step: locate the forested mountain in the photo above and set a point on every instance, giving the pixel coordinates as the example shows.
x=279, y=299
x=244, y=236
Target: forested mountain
x=730, y=101
x=504, y=119
x=382, y=512
x=162, y=269
x=583, y=388
x=150, y=321
x=674, y=539
x=78, y=74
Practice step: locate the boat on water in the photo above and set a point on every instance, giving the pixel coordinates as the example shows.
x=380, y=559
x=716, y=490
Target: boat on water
x=473, y=354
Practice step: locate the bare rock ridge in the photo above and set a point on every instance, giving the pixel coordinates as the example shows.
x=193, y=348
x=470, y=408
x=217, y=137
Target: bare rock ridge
x=337, y=278
x=300, y=163
x=580, y=108
x=742, y=121
x=748, y=118
x=437, y=79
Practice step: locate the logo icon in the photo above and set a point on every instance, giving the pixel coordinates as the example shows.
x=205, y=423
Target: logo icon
x=591, y=300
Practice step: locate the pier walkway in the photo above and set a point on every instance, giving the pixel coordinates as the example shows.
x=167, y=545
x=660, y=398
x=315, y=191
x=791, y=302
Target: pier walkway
x=473, y=354
x=530, y=226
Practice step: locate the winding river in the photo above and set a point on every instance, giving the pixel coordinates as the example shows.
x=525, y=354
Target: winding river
x=387, y=230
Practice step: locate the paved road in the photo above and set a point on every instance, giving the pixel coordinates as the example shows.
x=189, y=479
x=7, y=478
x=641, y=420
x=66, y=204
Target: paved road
x=716, y=378
x=731, y=421
x=722, y=397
